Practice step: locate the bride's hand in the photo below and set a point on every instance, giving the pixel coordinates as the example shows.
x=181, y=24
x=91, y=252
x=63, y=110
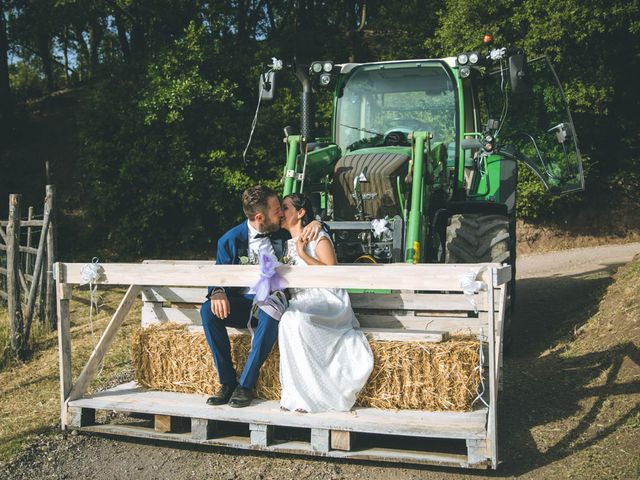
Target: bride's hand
x=301, y=243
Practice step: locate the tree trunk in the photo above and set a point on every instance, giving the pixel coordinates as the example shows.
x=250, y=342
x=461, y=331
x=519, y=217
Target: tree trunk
x=96, y=34
x=122, y=36
x=44, y=50
x=6, y=100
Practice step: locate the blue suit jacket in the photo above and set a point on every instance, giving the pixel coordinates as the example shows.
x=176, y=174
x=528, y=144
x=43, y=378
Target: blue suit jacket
x=235, y=244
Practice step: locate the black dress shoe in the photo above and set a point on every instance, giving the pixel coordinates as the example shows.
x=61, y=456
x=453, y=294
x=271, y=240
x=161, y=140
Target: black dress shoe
x=223, y=394
x=241, y=397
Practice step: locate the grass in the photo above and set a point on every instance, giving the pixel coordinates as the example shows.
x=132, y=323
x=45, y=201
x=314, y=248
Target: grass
x=29, y=391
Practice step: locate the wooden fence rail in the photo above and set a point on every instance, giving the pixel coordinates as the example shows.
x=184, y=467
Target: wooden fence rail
x=26, y=271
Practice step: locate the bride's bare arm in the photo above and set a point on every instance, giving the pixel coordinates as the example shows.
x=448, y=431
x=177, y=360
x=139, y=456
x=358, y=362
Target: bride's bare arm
x=324, y=250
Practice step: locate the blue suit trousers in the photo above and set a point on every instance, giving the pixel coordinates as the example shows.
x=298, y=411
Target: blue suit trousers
x=266, y=334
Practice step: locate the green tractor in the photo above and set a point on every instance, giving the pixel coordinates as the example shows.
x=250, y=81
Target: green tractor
x=421, y=162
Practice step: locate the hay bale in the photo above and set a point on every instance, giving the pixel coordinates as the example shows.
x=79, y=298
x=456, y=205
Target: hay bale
x=421, y=376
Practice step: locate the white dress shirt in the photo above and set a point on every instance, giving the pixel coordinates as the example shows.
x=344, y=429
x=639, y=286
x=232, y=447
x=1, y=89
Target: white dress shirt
x=256, y=245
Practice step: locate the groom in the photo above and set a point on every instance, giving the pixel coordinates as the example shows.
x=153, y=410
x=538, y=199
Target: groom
x=231, y=307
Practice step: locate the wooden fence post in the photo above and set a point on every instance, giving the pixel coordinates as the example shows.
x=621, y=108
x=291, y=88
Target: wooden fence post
x=13, y=267
x=28, y=262
x=50, y=297
x=36, y=272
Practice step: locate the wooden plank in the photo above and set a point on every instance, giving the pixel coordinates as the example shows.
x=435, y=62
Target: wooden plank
x=24, y=223
x=181, y=262
x=492, y=421
x=412, y=301
x=28, y=250
x=372, y=334
x=477, y=451
x=320, y=439
x=80, y=417
x=392, y=455
x=52, y=252
x=169, y=423
x=202, y=428
x=174, y=294
x=28, y=261
x=398, y=335
x=340, y=440
x=261, y=434
x=363, y=301
x=14, y=308
x=37, y=269
x=389, y=334
x=4, y=295
x=64, y=348
x=129, y=398
x=447, y=324
x=434, y=277
x=502, y=275
x=104, y=343
x=154, y=313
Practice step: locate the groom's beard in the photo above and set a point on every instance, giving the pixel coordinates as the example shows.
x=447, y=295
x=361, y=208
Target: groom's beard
x=270, y=227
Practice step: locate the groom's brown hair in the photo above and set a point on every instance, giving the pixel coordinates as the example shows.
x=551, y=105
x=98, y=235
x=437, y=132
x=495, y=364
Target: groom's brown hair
x=254, y=200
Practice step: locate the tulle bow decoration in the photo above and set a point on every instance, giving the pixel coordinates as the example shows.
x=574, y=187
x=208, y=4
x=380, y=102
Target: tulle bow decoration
x=270, y=280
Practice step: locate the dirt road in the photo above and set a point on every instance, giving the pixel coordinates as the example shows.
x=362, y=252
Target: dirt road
x=555, y=420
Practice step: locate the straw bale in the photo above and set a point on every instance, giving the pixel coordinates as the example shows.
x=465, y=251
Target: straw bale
x=407, y=375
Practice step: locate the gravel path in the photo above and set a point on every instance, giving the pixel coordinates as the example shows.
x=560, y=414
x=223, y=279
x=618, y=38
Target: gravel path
x=534, y=442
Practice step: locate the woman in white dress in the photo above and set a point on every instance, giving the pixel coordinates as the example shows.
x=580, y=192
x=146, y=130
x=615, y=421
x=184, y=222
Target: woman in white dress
x=324, y=359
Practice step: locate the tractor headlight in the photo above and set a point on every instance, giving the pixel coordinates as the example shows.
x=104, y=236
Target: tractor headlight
x=325, y=79
x=462, y=59
x=474, y=58
x=465, y=72
x=316, y=67
x=327, y=67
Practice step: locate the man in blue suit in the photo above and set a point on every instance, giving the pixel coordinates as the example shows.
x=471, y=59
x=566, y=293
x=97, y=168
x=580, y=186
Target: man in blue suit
x=232, y=306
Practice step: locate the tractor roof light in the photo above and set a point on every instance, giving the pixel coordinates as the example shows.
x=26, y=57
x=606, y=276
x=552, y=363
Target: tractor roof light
x=327, y=66
x=462, y=59
x=316, y=67
x=325, y=79
x=474, y=58
x=465, y=72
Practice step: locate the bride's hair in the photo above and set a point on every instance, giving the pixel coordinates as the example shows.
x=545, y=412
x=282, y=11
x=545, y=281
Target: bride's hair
x=300, y=201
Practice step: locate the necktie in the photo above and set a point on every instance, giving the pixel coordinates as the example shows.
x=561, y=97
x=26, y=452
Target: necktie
x=263, y=235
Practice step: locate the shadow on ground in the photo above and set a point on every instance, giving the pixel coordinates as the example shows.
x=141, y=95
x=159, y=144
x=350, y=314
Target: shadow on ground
x=559, y=396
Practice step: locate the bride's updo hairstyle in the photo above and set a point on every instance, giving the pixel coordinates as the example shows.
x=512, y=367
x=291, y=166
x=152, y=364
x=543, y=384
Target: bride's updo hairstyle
x=300, y=201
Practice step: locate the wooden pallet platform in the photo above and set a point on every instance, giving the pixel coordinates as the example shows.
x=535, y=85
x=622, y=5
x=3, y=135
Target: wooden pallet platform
x=180, y=417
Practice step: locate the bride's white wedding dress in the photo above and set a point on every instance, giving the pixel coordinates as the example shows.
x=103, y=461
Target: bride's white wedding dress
x=324, y=360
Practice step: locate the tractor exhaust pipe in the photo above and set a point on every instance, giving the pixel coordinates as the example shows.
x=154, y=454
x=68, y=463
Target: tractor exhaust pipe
x=307, y=112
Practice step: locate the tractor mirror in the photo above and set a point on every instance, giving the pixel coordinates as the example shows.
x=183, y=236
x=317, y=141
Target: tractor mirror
x=517, y=72
x=267, y=85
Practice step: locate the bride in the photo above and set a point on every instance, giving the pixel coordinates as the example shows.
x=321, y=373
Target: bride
x=324, y=360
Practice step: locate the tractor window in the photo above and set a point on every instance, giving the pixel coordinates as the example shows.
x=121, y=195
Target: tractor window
x=536, y=125
x=378, y=100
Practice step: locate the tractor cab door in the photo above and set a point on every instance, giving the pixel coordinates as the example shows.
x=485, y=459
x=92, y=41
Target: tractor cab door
x=535, y=124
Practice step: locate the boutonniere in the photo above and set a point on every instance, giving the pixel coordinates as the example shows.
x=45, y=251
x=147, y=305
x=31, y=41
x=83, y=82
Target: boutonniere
x=244, y=260
x=286, y=260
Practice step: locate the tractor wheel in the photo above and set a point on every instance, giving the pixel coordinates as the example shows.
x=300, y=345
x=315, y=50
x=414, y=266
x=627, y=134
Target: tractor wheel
x=479, y=238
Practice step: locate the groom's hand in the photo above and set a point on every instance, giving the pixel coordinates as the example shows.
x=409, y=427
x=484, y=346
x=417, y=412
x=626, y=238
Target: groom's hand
x=310, y=232
x=220, y=306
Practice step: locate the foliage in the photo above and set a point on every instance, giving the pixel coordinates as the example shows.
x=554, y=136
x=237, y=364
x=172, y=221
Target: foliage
x=172, y=91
